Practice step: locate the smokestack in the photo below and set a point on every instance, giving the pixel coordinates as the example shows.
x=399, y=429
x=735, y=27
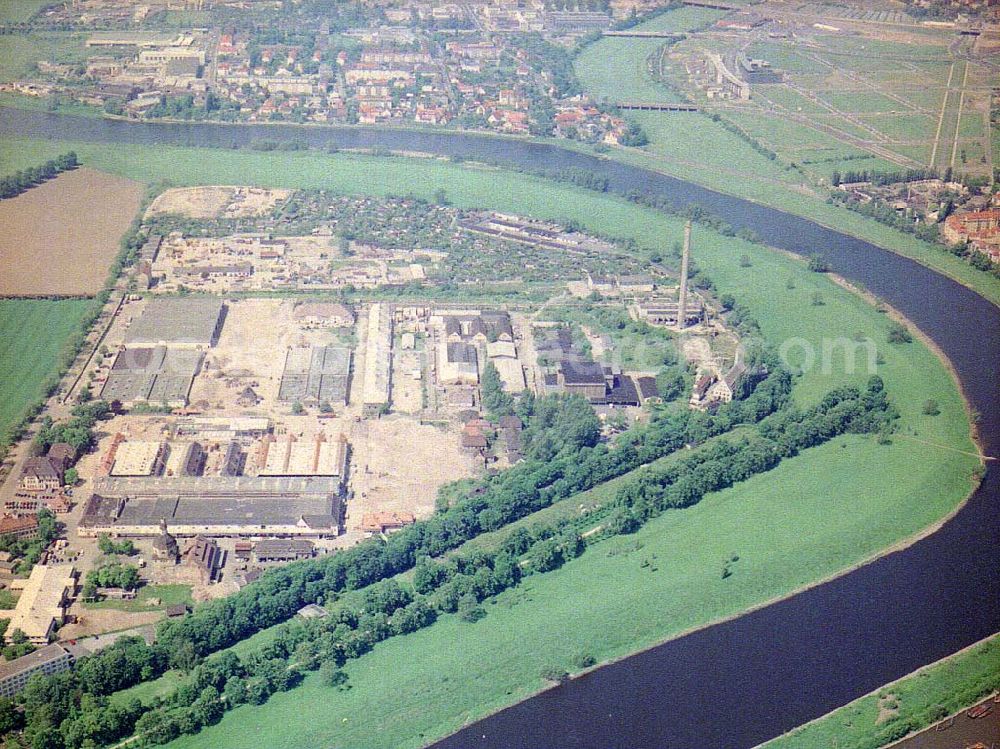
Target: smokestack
x=682, y=294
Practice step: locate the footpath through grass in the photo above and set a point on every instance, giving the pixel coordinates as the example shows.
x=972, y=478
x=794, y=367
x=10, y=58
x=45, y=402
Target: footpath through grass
x=921, y=698
x=34, y=333
x=816, y=514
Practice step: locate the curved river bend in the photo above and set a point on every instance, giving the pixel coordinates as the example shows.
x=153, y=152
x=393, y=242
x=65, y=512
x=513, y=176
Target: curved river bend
x=738, y=683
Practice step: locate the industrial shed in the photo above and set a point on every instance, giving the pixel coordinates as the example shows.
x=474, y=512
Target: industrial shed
x=178, y=322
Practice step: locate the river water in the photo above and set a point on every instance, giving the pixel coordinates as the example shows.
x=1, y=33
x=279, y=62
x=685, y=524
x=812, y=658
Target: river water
x=739, y=683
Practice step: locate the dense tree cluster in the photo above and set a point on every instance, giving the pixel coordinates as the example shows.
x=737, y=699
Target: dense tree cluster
x=25, y=179
x=78, y=432
x=884, y=178
x=497, y=401
x=111, y=575
x=106, y=545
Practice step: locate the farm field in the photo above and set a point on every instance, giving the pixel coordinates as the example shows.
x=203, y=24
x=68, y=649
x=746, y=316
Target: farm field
x=55, y=226
x=33, y=334
x=782, y=524
x=922, y=698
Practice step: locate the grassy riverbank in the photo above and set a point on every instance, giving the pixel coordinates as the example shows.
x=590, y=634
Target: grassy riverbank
x=819, y=513
x=923, y=697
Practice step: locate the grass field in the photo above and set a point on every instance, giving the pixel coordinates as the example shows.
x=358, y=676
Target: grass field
x=923, y=697
x=15, y=11
x=20, y=52
x=167, y=595
x=614, y=69
x=788, y=527
x=33, y=334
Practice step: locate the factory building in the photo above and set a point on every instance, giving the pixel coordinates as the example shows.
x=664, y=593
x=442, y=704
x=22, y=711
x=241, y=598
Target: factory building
x=317, y=456
x=316, y=374
x=178, y=323
x=232, y=506
x=378, y=360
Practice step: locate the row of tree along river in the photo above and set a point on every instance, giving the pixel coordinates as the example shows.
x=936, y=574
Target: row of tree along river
x=738, y=683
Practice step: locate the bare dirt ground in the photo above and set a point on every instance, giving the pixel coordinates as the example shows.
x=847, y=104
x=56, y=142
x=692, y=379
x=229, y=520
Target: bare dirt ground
x=399, y=465
x=407, y=390
x=61, y=237
x=96, y=621
x=216, y=200
x=251, y=352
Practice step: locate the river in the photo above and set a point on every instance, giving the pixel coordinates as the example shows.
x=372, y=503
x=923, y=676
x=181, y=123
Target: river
x=742, y=682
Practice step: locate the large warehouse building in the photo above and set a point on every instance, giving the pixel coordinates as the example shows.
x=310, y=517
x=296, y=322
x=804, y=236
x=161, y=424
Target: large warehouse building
x=235, y=506
x=178, y=323
x=315, y=375
x=152, y=375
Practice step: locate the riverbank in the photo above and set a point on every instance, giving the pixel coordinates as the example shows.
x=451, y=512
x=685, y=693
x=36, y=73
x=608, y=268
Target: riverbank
x=922, y=698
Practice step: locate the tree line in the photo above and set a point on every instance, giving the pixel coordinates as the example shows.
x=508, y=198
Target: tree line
x=23, y=180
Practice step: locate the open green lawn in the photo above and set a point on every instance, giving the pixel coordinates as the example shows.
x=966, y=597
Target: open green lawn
x=785, y=57
x=33, y=334
x=615, y=68
x=15, y=11
x=922, y=698
x=907, y=126
x=685, y=18
x=971, y=125
x=863, y=100
x=20, y=52
x=149, y=598
x=789, y=526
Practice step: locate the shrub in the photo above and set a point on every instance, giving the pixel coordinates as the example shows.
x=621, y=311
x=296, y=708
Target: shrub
x=899, y=334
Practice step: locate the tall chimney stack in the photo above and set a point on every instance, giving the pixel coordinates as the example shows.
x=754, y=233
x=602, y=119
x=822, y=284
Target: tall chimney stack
x=682, y=294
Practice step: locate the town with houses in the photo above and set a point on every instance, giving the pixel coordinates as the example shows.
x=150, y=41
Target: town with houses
x=492, y=65
x=501, y=66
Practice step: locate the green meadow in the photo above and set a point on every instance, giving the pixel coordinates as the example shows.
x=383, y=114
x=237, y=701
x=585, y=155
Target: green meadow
x=33, y=337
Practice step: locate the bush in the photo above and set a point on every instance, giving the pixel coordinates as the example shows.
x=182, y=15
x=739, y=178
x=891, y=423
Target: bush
x=469, y=609
x=818, y=265
x=931, y=408
x=554, y=674
x=899, y=334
